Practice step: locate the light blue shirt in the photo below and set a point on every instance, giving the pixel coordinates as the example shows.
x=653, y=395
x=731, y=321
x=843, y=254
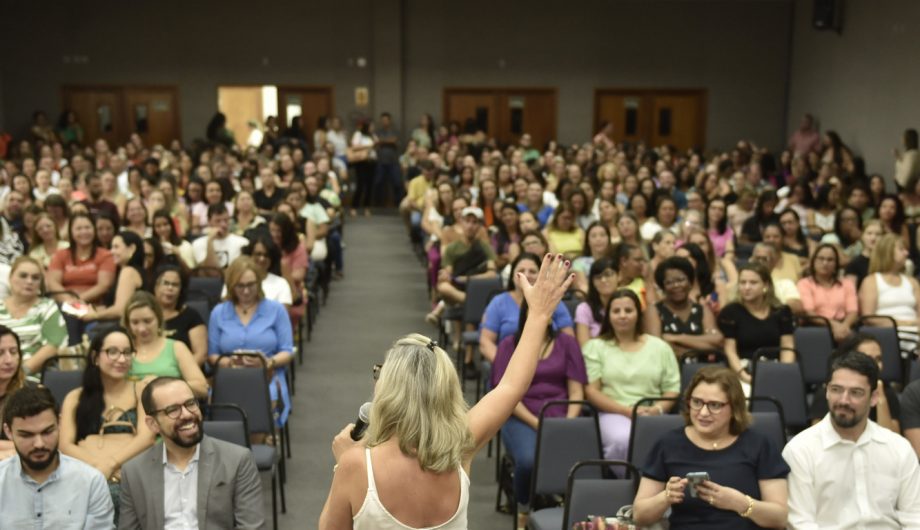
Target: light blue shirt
x=76, y=495
x=269, y=331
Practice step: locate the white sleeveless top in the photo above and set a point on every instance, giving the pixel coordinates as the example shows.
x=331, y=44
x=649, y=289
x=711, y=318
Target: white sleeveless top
x=898, y=301
x=373, y=515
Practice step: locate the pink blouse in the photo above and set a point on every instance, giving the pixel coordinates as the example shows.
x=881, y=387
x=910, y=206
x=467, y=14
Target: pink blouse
x=832, y=303
x=720, y=241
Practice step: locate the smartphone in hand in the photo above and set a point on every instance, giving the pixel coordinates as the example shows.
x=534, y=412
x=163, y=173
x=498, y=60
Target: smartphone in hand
x=694, y=479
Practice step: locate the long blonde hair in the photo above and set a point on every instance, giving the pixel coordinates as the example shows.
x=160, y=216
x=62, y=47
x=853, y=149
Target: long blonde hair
x=419, y=401
x=882, y=258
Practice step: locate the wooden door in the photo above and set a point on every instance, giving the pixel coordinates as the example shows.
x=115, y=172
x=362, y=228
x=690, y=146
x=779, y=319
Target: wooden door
x=99, y=110
x=656, y=117
x=474, y=109
x=532, y=112
x=152, y=113
x=626, y=111
x=240, y=104
x=504, y=113
x=677, y=119
x=310, y=103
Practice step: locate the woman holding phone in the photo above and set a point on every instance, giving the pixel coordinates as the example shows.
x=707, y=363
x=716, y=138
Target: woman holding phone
x=743, y=481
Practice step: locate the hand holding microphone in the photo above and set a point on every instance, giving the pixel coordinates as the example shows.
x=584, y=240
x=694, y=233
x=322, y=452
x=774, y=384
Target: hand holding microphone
x=351, y=435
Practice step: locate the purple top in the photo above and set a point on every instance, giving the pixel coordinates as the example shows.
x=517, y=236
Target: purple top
x=550, y=382
x=584, y=315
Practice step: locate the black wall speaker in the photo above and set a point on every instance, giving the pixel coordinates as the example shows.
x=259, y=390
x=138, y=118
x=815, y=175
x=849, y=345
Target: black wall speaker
x=827, y=15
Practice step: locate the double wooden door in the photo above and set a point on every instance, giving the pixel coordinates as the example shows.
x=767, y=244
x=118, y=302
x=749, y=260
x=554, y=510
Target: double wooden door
x=655, y=117
x=309, y=102
x=504, y=113
x=114, y=113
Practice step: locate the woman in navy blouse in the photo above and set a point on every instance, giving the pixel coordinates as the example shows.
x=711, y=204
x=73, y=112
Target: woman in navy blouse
x=247, y=321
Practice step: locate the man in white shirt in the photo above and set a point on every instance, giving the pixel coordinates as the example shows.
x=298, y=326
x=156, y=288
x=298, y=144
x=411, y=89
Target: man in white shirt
x=847, y=472
x=39, y=486
x=219, y=248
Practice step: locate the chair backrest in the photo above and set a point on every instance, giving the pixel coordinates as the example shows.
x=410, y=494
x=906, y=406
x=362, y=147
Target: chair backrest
x=202, y=307
x=815, y=344
x=478, y=293
x=782, y=382
x=688, y=370
x=60, y=383
x=247, y=388
x=914, y=370
x=211, y=287
x=235, y=431
x=891, y=351
x=646, y=430
x=561, y=442
x=769, y=419
x=598, y=496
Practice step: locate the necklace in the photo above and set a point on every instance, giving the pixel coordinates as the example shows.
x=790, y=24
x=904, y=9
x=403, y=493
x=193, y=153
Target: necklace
x=246, y=310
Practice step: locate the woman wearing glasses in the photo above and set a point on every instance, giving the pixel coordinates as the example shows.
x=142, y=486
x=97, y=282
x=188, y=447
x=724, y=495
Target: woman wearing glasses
x=423, y=435
x=747, y=474
x=106, y=403
x=247, y=321
x=589, y=315
x=157, y=355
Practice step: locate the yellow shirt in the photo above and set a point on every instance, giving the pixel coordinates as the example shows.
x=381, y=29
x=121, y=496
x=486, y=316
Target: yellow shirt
x=789, y=268
x=417, y=189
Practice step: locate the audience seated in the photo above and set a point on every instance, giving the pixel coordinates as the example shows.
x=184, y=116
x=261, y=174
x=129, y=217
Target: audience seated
x=84, y=272
x=128, y=252
x=755, y=320
x=12, y=378
x=101, y=423
x=747, y=485
x=501, y=317
x=677, y=318
x=589, y=315
x=155, y=355
x=625, y=365
x=267, y=256
x=44, y=240
x=858, y=267
x=560, y=375
x=824, y=293
x=180, y=323
x=596, y=246
x=887, y=291
x=164, y=231
x=249, y=323
x=219, y=247
x=35, y=319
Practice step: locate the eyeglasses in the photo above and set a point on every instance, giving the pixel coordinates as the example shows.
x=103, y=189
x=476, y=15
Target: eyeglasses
x=246, y=286
x=115, y=353
x=714, y=406
x=376, y=371
x=173, y=411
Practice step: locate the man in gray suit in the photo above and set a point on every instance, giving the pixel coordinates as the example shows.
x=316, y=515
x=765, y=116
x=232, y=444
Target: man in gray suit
x=188, y=480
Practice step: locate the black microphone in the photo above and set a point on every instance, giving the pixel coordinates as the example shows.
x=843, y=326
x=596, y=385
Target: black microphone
x=362, y=422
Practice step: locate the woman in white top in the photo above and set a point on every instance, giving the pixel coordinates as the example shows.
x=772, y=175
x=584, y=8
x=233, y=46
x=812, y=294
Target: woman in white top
x=412, y=468
x=888, y=291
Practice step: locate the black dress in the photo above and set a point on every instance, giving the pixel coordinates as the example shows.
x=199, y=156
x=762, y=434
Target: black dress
x=671, y=323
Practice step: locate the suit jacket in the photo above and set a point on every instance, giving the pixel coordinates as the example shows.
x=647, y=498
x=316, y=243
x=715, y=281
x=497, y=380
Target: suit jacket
x=229, y=488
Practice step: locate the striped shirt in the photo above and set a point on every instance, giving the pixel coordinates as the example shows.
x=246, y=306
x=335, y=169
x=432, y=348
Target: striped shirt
x=42, y=325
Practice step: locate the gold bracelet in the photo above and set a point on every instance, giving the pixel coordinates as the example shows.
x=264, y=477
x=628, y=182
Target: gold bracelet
x=747, y=513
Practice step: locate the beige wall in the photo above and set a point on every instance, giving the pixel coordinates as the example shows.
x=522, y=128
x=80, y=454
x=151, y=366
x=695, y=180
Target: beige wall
x=862, y=83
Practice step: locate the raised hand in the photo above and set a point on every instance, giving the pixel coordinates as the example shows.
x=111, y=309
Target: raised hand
x=552, y=282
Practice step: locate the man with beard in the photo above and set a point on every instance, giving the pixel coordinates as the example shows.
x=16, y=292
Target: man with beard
x=96, y=202
x=188, y=480
x=40, y=487
x=848, y=472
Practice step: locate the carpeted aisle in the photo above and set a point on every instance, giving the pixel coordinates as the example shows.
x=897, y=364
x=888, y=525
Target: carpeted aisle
x=382, y=297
